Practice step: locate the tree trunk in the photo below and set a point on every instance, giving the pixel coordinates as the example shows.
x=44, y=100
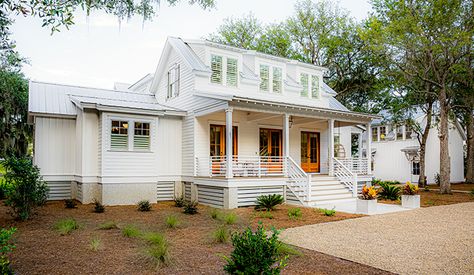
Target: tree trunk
x=429, y=113
x=470, y=148
x=444, y=160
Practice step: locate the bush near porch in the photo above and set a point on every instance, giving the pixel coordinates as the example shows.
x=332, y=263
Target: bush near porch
x=192, y=248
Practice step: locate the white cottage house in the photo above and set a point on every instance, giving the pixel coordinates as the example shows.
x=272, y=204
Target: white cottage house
x=216, y=124
x=395, y=151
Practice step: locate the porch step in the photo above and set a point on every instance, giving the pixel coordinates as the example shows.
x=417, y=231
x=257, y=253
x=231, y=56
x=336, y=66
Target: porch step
x=327, y=203
x=322, y=187
x=328, y=182
x=318, y=178
x=325, y=197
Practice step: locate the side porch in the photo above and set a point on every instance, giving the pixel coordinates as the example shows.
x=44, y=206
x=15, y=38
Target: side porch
x=310, y=154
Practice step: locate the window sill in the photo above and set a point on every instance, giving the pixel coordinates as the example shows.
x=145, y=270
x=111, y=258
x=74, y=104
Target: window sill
x=129, y=151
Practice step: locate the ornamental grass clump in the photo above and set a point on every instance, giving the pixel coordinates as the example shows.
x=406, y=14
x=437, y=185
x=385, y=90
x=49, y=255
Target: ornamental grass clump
x=157, y=250
x=108, y=225
x=389, y=191
x=368, y=193
x=230, y=218
x=255, y=253
x=221, y=234
x=66, y=226
x=410, y=189
x=269, y=202
x=172, y=221
x=131, y=231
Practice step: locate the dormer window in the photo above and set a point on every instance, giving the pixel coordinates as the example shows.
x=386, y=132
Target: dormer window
x=309, y=83
x=277, y=81
x=271, y=79
x=225, y=70
x=304, y=83
x=314, y=86
x=173, y=81
x=264, y=78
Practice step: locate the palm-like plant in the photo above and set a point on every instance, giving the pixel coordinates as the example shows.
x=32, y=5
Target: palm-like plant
x=389, y=191
x=268, y=202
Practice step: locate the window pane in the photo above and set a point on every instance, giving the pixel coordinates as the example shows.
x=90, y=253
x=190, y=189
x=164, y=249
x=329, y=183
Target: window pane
x=264, y=77
x=314, y=86
x=399, y=132
x=141, y=139
x=232, y=72
x=216, y=67
x=277, y=80
x=382, y=133
x=119, y=135
x=374, y=134
x=304, y=83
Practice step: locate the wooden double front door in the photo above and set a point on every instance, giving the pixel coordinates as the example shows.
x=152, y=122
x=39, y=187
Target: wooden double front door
x=310, y=156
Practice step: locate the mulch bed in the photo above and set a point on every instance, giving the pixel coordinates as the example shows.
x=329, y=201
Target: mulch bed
x=41, y=250
x=434, y=198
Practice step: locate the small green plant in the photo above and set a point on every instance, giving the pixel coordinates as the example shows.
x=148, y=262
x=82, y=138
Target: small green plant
x=410, y=189
x=108, y=225
x=179, y=201
x=376, y=182
x=190, y=207
x=157, y=251
x=215, y=213
x=7, y=247
x=294, y=213
x=431, y=203
x=285, y=249
x=472, y=191
x=221, y=234
x=98, y=207
x=4, y=188
x=255, y=253
x=131, y=231
x=328, y=212
x=28, y=190
x=66, y=226
x=172, y=221
x=265, y=215
x=268, y=202
x=70, y=203
x=94, y=244
x=144, y=206
x=389, y=191
x=230, y=218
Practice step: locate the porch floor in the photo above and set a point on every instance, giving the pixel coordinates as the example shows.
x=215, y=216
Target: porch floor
x=349, y=206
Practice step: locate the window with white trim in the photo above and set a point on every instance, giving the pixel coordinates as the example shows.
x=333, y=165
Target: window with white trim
x=216, y=68
x=314, y=86
x=264, y=78
x=173, y=81
x=382, y=133
x=415, y=168
x=305, y=84
x=232, y=72
x=141, y=137
x=375, y=134
x=399, y=132
x=408, y=132
x=277, y=80
x=119, y=135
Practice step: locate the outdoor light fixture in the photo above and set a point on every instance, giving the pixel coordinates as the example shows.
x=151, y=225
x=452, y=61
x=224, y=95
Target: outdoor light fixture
x=290, y=121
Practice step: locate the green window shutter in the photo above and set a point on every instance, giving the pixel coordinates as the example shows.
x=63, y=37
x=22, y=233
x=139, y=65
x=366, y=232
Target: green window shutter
x=277, y=80
x=304, y=83
x=264, y=77
x=232, y=72
x=216, y=67
x=314, y=86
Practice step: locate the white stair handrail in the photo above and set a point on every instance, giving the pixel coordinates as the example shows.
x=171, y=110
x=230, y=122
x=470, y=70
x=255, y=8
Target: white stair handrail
x=299, y=181
x=345, y=175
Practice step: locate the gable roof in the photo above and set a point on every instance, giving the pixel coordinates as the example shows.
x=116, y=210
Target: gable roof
x=62, y=100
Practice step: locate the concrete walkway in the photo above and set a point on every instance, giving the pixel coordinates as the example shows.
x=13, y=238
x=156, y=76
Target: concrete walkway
x=350, y=206
x=434, y=240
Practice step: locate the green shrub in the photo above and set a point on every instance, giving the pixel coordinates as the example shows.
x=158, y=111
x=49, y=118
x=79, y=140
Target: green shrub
x=108, y=225
x=70, y=203
x=255, y=253
x=376, y=182
x=158, y=250
x=265, y=215
x=221, y=234
x=7, y=247
x=328, y=212
x=131, y=231
x=389, y=191
x=268, y=202
x=66, y=226
x=28, y=190
x=294, y=213
x=172, y=221
x=215, y=213
x=230, y=218
x=98, y=207
x=190, y=207
x=179, y=201
x=144, y=206
x=94, y=244
x=4, y=189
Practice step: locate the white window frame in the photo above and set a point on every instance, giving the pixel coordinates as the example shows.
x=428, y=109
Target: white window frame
x=135, y=135
x=397, y=128
x=271, y=70
x=224, y=80
x=175, y=83
x=311, y=75
x=380, y=133
x=130, y=132
x=268, y=78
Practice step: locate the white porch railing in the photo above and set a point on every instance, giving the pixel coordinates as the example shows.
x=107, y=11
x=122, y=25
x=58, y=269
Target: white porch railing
x=299, y=181
x=248, y=166
x=345, y=175
x=356, y=165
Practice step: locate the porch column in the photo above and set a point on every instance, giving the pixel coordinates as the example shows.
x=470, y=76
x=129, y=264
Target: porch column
x=229, y=143
x=286, y=135
x=331, y=146
x=369, y=148
x=359, y=150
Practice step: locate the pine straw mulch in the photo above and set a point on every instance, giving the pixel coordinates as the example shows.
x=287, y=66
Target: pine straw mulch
x=434, y=198
x=41, y=250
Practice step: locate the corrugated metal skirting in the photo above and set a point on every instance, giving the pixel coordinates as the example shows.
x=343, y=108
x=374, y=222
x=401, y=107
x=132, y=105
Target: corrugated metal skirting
x=291, y=198
x=248, y=195
x=79, y=192
x=59, y=190
x=165, y=191
x=212, y=196
x=187, y=191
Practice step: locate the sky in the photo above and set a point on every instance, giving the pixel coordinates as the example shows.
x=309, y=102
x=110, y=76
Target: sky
x=99, y=50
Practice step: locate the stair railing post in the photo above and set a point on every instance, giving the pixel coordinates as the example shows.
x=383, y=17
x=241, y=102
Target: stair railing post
x=354, y=186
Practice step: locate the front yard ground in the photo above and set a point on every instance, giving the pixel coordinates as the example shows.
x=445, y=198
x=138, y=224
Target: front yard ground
x=41, y=249
x=434, y=198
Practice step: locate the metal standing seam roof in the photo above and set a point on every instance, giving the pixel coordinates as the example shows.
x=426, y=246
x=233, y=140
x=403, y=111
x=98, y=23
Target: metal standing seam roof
x=188, y=54
x=58, y=99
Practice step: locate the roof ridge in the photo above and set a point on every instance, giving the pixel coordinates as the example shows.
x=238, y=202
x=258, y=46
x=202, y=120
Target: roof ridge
x=88, y=87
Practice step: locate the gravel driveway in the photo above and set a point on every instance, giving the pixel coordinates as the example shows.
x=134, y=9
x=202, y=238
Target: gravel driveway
x=433, y=240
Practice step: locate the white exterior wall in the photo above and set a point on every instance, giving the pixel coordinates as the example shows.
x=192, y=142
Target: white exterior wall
x=390, y=162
